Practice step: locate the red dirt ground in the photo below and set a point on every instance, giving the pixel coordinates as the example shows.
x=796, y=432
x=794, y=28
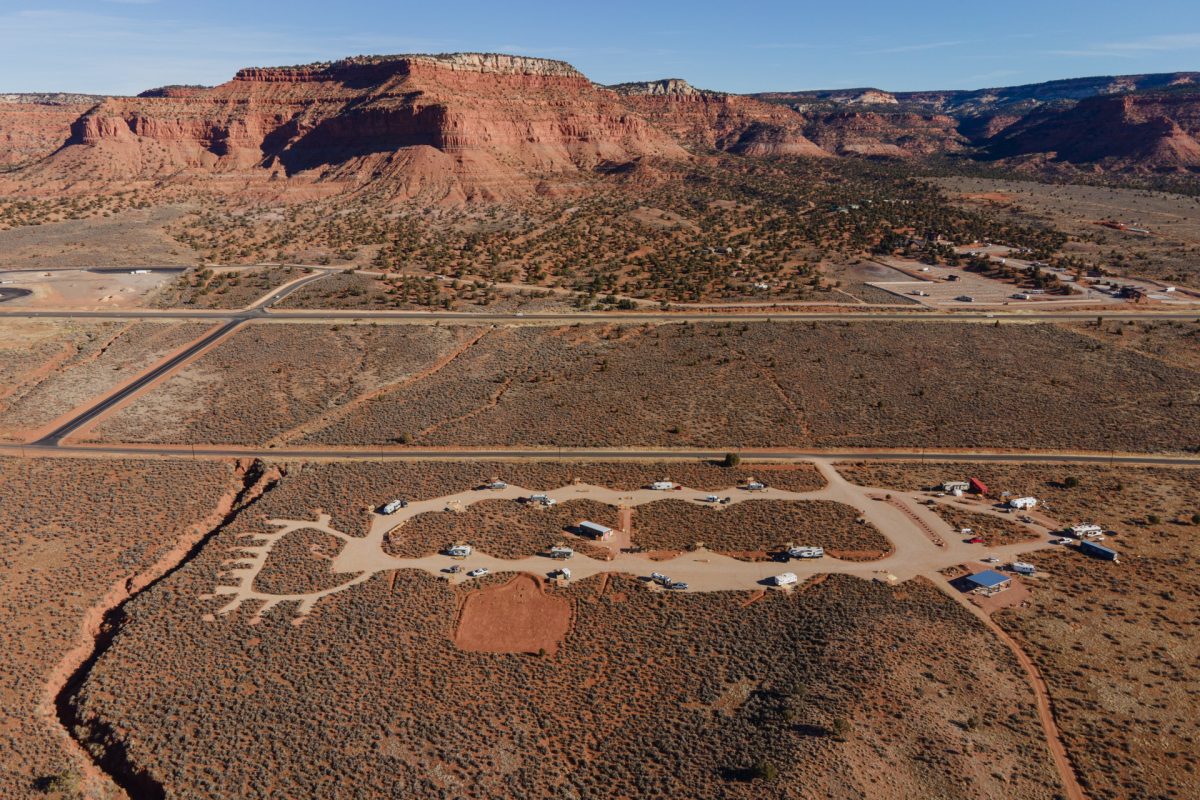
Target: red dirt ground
x=516, y=617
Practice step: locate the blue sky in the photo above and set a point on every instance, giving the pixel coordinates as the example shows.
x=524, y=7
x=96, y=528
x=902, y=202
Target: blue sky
x=125, y=46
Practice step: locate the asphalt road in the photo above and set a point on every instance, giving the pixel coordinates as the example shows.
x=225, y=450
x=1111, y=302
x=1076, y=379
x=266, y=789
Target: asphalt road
x=54, y=437
x=465, y=317
x=50, y=446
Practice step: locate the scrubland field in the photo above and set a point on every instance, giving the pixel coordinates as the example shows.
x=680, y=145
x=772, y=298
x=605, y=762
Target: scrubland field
x=1115, y=642
x=758, y=529
x=48, y=368
x=714, y=384
x=208, y=288
x=844, y=689
x=74, y=531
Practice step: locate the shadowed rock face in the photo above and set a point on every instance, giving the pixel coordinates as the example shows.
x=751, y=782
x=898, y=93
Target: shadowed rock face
x=1145, y=131
x=34, y=126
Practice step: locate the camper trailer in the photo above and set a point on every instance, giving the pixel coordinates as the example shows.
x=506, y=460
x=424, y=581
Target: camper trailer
x=394, y=506
x=806, y=552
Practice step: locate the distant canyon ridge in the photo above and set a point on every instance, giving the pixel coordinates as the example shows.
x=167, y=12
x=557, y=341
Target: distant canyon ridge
x=488, y=127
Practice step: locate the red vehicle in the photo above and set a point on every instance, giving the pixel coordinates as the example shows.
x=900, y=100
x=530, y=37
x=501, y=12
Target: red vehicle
x=975, y=540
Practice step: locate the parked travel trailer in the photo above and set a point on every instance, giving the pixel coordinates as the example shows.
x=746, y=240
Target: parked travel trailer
x=806, y=552
x=541, y=500
x=662, y=486
x=561, y=551
x=394, y=506
x=1022, y=568
x=1022, y=503
x=785, y=579
x=458, y=550
x=1087, y=531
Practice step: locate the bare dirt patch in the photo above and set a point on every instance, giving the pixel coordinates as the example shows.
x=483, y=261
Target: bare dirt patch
x=515, y=617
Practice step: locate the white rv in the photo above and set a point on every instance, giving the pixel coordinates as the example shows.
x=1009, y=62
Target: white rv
x=662, y=486
x=1022, y=568
x=1087, y=531
x=1022, y=503
x=806, y=552
x=785, y=579
x=394, y=506
x=458, y=550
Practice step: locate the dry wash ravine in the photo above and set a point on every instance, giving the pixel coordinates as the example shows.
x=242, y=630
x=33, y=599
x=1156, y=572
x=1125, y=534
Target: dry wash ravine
x=100, y=756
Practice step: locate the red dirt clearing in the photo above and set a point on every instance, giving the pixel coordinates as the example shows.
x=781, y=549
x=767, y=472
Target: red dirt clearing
x=517, y=617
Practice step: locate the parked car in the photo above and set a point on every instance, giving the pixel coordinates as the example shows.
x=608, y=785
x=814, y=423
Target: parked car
x=680, y=585
x=1064, y=540
x=975, y=540
x=478, y=572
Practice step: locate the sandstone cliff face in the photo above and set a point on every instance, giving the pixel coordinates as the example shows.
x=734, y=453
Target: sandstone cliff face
x=1140, y=132
x=884, y=134
x=34, y=126
x=715, y=121
x=458, y=127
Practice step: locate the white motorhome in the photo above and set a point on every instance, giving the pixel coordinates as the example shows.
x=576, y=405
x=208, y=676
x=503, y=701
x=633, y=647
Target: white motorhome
x=662, y=486
x=755, y=486
x=542, y=500
x=458, y=550
x=785, y=579
x=1087, y=531
x=561, y=551
x=1022, y=503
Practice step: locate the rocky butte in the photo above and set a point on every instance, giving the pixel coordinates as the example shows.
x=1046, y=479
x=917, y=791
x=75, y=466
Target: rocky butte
x=458, y=127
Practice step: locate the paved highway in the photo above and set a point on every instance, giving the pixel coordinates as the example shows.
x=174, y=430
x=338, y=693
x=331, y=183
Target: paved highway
x=466, y=317
x=49, y=446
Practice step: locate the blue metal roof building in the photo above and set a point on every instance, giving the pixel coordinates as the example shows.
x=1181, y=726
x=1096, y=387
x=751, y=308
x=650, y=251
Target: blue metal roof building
x=1098, y=551
x=989, y=581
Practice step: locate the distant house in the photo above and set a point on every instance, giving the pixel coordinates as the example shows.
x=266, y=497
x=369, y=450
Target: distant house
x=595, y=530
x=989, y=582
x=977, y=486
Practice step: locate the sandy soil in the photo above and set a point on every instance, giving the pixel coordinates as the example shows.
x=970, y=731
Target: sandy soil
x=85, y=290
x=515, y=617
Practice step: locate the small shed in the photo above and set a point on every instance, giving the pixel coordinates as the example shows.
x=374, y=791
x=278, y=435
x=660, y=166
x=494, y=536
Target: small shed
x=594, y=529
x=1096, y=550
x=978, y=486
x=989, y=582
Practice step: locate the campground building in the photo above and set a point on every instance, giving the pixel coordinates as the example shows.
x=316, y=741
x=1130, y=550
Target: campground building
x=989, y=582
